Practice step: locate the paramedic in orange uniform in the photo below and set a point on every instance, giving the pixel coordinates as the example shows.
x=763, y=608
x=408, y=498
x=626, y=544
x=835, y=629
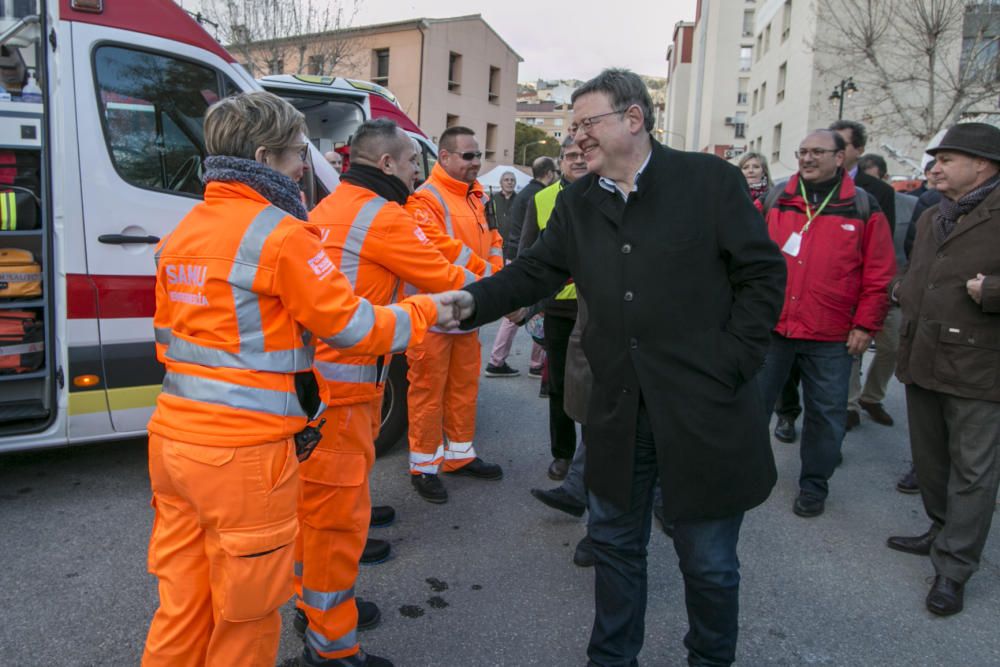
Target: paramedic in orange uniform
x=444, y=369
x=378, y=246
x=241, y=289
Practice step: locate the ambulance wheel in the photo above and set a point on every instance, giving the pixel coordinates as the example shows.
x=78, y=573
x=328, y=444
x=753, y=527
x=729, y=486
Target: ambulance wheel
x=394, y=413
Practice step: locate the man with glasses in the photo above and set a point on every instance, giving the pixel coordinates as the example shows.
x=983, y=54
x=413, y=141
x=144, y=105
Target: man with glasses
x=444, y=368
x=838, y=252
x=682, y=287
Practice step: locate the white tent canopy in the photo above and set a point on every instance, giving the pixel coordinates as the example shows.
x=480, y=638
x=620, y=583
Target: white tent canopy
x=492, y=178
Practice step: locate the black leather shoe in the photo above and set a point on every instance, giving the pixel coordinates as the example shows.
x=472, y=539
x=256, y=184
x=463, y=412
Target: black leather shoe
x=853, y=419
x=479, y=469
x=808, y=506
x=877, y=412
x=558, y=469
x=784, y=430
x=919, y=545
x=908, y=482
x=429, y=487
x=382, y=515
x=946, y=596
x=369, y=615
x=583, y=556
x=558, y=499
x=375, y=551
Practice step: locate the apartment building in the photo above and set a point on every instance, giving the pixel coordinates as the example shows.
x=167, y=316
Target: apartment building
x=444, y=72
x=551, y=117
x=679, y=56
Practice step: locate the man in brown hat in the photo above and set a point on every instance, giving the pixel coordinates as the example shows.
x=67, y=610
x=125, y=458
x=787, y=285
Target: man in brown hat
x=949, y=359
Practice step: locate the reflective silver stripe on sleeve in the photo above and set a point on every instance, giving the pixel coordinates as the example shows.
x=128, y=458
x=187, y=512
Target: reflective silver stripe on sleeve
x=470, y=278
x=349, y=373
x=401, y=334
x=410, y=290
x=322, y=645
x=326, y=600
x=218, y=392
x=488, y=271
x=243, y=273
x=360, y=326
x=275, y=361
x=447, y=214
x=156, y=255
x=496, y=252
x=163, y=335
x=463, y=255
x=351, y=257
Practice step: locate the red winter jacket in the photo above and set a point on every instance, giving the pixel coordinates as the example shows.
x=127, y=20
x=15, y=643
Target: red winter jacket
x=838, y=279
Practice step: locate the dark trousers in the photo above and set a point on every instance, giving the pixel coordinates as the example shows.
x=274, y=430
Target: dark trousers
x=707, y=553
x=825, y=368
x=789, y=406
x=562, y=429
x=956, y=451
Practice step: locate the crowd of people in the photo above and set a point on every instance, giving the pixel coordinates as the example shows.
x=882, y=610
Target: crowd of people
x=683, y=300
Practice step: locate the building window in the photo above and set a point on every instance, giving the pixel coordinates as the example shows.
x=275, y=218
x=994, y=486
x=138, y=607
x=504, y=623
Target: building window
x=742, y=92
x=782, y=75
x=756, y=100
x=760, y=45
x=450, y=120
x=776, y=144
x=491, y=141
x=557, y=134
x=767, y=38
x=558, y=122
x=454, y=72
x=380, y=67
x=740, y=125
x=786, y=20
x=316, y=64
x=276, y=66
x=746, y=56
x=494, y=85
x=747, y=22
x=763, y=95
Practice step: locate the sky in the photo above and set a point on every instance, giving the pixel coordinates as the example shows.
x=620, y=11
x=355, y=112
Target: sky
x=560, y=39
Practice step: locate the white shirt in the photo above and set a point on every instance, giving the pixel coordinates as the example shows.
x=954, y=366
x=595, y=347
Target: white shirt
x=612, y=186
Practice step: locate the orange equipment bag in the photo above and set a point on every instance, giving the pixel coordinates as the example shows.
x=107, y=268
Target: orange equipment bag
x=20, y=274
x=22, y=345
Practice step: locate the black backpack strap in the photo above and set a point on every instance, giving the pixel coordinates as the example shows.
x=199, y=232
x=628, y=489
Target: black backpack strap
x=771, y=198
x=862, y=203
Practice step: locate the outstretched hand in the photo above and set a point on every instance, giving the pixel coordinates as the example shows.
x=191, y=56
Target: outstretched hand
x=453, y=307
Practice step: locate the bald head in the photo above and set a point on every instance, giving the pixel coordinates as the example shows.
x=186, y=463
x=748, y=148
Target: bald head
x=544, y=169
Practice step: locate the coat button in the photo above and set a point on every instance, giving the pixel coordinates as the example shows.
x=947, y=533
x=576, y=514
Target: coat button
x=633, y=343
x=625, y=390
x=629, y=296
x=940, y=255
x=627, y=248
x=931, y=286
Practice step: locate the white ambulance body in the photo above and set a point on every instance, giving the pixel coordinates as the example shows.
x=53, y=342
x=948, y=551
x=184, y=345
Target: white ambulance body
x=118, y=133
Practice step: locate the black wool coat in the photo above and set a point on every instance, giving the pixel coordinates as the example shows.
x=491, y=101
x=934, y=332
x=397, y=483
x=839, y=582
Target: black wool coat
x=683, y=287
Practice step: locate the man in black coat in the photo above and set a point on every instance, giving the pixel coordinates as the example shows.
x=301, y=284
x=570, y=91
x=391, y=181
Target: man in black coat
x=683, y=287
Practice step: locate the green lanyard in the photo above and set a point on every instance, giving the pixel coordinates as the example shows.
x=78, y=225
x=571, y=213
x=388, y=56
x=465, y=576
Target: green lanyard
x=810, y=216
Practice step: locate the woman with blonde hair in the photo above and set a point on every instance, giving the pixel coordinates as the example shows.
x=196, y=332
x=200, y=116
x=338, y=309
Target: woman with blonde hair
x=754, y=168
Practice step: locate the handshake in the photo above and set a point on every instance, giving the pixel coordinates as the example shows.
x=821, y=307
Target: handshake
x=453, y=307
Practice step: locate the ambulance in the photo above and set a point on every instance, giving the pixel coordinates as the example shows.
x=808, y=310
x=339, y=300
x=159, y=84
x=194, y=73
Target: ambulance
x=101, y=150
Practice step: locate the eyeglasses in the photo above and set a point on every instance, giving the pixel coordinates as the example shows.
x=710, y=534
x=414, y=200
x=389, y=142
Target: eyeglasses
x=587, y=123
x=814, y=152
x=573, y=157
x=469, y=156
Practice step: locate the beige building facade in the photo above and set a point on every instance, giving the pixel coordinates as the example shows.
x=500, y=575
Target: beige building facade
x=550, y=117
x=444, y=72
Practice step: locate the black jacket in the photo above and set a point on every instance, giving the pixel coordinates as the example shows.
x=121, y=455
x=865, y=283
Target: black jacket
x=683, y=286
x=518, y=209
x=883, y=193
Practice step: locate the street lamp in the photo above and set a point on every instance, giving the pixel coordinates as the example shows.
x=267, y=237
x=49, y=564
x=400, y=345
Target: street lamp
x=524, y=149
x=843, y=89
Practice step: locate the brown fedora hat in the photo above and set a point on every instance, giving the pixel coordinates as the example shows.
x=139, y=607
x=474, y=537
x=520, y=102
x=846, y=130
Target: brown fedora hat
x=979, y=139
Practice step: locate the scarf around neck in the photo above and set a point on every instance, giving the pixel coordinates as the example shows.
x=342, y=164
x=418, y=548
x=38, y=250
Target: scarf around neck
x=949, y=210
x=273, y=186
x=386, y=186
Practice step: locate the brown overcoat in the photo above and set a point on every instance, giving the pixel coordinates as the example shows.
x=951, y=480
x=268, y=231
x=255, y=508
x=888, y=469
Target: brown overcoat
x=948, y=342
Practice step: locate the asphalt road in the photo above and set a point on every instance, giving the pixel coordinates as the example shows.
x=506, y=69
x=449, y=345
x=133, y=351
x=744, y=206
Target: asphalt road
x=487, y=579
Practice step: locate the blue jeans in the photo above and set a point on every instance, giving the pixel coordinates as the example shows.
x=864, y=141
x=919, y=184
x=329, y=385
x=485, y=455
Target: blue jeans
x=825, y=369
x=707, y=553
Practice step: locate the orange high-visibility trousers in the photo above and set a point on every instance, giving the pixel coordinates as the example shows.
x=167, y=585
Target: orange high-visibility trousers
x=334, y=515
x=444, y=383
x=222, y=547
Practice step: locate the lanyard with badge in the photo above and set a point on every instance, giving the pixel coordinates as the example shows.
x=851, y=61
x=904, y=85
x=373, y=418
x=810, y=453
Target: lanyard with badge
x=794, y=242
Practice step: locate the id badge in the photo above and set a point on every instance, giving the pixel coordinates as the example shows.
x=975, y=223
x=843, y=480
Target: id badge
x=792, y=245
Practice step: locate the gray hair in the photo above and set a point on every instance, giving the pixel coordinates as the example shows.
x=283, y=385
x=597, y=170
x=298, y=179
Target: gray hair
x=624, y=88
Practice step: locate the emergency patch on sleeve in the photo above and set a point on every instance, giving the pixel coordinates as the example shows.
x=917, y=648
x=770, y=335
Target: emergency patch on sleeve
x=419, y=233
x=322, y=265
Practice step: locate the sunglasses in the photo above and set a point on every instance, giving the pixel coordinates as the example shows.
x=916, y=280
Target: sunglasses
x=471, y=155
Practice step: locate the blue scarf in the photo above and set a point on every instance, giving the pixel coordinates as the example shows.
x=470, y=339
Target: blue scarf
x=273, y=186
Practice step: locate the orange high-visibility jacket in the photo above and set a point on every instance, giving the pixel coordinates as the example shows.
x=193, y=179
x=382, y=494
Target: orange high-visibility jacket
x=378, y=245
x=241, y=288
x=458, y=209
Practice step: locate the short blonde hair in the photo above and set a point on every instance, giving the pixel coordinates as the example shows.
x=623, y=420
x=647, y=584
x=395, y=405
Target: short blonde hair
x=753, y=155
x=237, y=126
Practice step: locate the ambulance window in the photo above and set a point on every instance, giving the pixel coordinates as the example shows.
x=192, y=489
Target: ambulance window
x=152, y=107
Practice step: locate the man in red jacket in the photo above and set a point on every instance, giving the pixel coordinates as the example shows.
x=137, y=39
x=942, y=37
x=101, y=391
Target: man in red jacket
x=838, y=250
